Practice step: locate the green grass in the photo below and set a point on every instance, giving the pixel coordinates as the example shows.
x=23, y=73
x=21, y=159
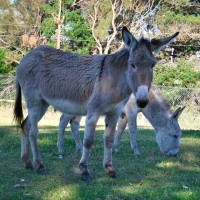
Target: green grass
x=150, y=176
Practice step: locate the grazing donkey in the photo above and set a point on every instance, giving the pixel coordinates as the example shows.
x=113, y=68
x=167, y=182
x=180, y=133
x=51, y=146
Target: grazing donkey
x=91, y=85
x=74, y=124
x=163, y=120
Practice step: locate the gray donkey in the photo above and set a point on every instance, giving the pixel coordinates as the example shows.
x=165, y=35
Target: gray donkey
x=163, y=120
x=91, y=85
x=159, y=114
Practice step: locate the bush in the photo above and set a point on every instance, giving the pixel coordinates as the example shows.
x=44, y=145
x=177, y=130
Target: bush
x=182, y=75
x=4, y=68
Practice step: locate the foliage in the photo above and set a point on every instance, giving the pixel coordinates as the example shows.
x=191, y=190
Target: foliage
x=19, y=18
x=172, y=17
x=4, y=68
x=76, y=35
x=181, y=74
x=48, y=26
x=182, y=16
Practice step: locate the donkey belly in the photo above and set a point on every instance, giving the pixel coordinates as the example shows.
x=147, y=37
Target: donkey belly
x=67, y=107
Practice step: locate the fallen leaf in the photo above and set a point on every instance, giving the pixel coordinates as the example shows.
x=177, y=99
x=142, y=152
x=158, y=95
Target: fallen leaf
x=141, y=184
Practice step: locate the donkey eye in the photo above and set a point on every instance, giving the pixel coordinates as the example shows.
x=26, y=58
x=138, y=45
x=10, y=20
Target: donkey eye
x=175, y=136
x=133, y=66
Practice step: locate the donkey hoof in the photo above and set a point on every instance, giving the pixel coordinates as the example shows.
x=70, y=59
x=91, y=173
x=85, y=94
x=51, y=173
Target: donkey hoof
x=136, y=153
x=110, y=171
x=29, y=166
x=86, y=177
x=60, y=156
x=112, y=174
x=42, y=170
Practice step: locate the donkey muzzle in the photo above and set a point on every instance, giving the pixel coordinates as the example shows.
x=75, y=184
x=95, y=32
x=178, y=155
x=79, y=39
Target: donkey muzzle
x=142, y=96
x=142, y=103
x=172, y=153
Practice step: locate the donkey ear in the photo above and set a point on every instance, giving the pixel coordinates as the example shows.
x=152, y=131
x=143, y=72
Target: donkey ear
x=159, y=44
x=178, y=112
x=128, y=39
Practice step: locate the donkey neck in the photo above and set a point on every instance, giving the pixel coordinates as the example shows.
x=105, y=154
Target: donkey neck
x=157, y=111
x=119, y=60
x=114, y=70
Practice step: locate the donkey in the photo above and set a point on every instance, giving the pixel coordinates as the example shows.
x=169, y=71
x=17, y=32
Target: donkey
x=91, y=85
x=163, y=120
x=159, y=114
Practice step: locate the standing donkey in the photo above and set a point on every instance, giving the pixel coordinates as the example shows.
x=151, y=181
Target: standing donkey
x=159, y=114
x=163, y=120
x=91, y=85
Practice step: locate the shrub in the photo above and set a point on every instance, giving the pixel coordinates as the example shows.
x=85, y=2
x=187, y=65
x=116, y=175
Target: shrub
x=4, y=68
x=181, y=74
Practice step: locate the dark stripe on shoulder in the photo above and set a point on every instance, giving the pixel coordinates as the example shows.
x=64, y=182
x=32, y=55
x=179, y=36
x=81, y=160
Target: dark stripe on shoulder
x=102, y=66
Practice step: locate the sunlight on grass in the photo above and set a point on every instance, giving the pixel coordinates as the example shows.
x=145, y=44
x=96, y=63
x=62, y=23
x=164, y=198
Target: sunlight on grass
x=178, y=165
x=169, y=164
x=185, y=194
x=190, y=141
x=64, y=192
x=133, y=188
x=189, y=156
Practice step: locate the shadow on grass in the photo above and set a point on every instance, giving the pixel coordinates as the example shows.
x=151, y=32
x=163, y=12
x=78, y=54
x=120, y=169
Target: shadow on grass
x=151, y=176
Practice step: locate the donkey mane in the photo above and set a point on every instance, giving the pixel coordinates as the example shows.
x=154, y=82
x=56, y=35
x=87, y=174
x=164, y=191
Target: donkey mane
x=120, y=58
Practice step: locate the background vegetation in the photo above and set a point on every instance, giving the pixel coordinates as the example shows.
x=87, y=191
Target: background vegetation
x=180, y=74
x=94, y=27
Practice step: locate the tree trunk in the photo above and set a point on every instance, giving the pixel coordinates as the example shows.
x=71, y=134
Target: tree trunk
x=59, y=25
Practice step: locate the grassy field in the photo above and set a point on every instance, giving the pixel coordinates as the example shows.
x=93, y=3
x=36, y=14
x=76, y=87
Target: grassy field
x=150, y=176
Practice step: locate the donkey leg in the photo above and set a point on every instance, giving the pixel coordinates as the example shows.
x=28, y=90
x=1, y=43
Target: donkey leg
x=122, y=122
x=110, y=121
x=25, y=145
x=132, y=125
x=75, y=123
x=35, y=114
x=91, y=121
x=64, y=119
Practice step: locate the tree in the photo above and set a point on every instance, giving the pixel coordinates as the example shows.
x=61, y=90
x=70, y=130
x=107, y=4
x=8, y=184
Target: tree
x=19, y=27
x=75, y=34
x=106, y=17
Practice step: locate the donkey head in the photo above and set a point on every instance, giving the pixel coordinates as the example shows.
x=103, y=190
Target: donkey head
x=141, y=62
x=168, y=137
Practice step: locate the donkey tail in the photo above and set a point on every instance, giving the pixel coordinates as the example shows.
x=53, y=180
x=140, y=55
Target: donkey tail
x=18, y=112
